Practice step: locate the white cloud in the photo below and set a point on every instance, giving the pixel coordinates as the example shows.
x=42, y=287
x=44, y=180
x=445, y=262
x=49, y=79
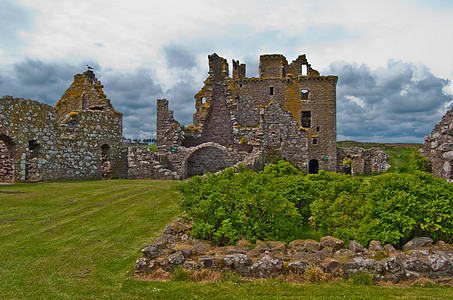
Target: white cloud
x=376, y=38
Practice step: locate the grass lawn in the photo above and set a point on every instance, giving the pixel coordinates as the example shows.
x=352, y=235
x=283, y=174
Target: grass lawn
x=79, y=240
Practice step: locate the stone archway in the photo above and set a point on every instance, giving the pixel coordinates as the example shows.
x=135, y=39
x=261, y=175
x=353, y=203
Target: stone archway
x=208, y=159
x=7, y=148
x=106, y=164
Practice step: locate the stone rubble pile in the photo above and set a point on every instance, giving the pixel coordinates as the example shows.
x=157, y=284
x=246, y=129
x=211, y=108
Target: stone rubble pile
x=420, y=258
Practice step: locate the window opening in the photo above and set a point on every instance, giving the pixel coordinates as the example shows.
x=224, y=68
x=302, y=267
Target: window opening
x=314, y=141
x=317, y=128
x=271, y=90
x=306, y=119
x=304, y=94
x=304, y=70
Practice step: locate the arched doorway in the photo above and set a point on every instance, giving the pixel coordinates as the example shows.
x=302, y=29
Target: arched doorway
x=206, y=160
x=106, y=164
x=313, y=166
x=6, y=159
x=32, y=165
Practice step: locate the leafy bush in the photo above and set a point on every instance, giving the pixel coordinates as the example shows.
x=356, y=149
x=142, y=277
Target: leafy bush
x=277, y=203
x=392, y=208
x=228, y=206
x=418, y=162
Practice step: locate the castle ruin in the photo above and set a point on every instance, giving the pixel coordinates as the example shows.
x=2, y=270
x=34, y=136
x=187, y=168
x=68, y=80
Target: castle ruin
x=288, y=112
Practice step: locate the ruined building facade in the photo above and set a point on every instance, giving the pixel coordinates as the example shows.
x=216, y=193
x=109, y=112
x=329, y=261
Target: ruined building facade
x=80, y=138
x=288, y=112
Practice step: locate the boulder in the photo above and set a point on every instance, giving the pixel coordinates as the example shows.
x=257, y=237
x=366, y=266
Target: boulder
x=375, y=246
x=176, y=258
x=417, y=243
x=267, y=267
x=355, y=247
x=334, y=243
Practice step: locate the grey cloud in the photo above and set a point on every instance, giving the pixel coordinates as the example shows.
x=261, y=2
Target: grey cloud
x=177, y=56
x=36, y=72
x=402, y=100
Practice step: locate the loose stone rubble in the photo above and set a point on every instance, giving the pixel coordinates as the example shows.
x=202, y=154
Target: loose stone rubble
x=176, y=249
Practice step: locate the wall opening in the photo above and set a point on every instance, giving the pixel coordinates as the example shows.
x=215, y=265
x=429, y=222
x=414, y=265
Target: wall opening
x=304, y=94
x=313, y=167
x=306, y=119
x=367, y=167
x=32, y=163
x=7, y=148
x=347, y=165
x=206, y=160
x=314, y=141
x=271, y=90
x=106, y=164
x=304, y=70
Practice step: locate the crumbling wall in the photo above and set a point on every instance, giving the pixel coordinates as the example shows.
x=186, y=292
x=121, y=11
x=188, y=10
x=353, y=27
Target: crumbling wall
x=85, y=93
x=283, y=136
x=79, y=139
x=229, y=112
x=144, y=163
x=21, y=122
x=438, y=147
x=356, y=160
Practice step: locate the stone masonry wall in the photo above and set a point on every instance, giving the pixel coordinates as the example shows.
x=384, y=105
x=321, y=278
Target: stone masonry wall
x=362, y=161
x=438, y=147
x=229, y=113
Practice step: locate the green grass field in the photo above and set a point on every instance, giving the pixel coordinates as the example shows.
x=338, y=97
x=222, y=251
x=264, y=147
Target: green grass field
x=80, y=240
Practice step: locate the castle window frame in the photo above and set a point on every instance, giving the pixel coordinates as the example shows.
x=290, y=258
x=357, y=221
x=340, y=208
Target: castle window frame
x=306, y=119
x=304, y=94
x=271, y=90
x=314, y=141
x=304, y=70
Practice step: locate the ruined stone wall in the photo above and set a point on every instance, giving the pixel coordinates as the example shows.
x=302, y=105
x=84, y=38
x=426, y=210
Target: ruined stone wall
x=85, y=93
x=79, y=139
x=144, y=163
x=356, y=160
x=91, y=142
x=42, y=149
x=229, y=112
x=21, y=122
x=283, y=136
x=438, y=147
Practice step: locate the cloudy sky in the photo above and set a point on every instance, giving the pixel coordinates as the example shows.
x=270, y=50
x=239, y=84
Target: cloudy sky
x=394, y=58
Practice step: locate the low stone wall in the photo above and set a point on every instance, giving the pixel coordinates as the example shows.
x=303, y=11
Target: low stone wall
x=143, y=163
x=420, y=258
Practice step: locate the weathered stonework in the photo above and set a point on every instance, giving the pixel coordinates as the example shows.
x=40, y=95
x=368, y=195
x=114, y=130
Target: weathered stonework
x=419, y=259
x=438, y=148
x=356, y=160
x=79, y=139
x=288, y=112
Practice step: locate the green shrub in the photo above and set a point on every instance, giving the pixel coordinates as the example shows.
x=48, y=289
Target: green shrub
x=228, y=206
x=418, y=163
x=277, y=203
x=392, y=208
